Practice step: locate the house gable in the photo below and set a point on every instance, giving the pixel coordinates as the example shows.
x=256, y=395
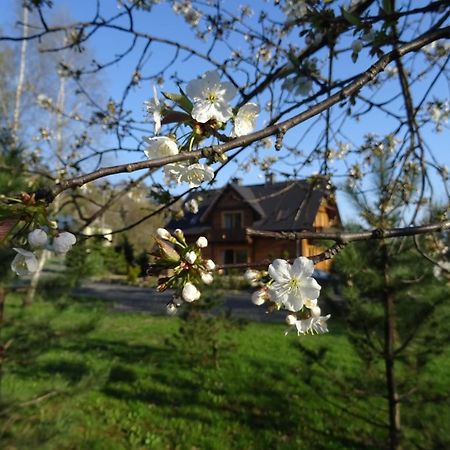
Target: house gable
x=225, y=214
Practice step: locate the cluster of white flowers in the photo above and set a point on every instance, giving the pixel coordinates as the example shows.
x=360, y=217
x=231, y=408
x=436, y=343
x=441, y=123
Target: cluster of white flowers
x=439, y=113
x=44, y=101
x=191, y=15
x=191, y=206
x=25, y=262
x=206, y=109
x=181, y=267
x=291, y=287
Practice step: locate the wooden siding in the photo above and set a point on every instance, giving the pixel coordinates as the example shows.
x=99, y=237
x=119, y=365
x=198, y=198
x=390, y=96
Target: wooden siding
x=260, y=249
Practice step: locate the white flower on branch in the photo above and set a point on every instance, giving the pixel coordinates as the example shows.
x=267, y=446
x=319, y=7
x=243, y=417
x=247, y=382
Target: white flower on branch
x=296, y=8
x=160, y=147
x=202, y=242
x=24, y=262
x=210, y=98
x=260, y=297
x=171, y=309
x=210, y=264
x=190, y=257
x=252, y=277
x=44, y=101
x=191, y=206
x=63, y=242
x=357, y=45
x=311, y=325
x=37, y=238
x=245, y=120
x=298, y=85
x=207, y=278
x=164, y=234
x=154, y=108
x=190, y=293
x=194, y=174
x=293, y=285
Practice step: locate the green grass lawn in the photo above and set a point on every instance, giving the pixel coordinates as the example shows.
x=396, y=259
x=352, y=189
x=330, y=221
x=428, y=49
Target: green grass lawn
x=77, y=376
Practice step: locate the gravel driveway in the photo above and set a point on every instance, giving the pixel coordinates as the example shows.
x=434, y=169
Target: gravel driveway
x=147, y=300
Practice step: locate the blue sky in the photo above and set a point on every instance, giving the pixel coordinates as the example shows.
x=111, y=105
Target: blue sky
x=163, y=23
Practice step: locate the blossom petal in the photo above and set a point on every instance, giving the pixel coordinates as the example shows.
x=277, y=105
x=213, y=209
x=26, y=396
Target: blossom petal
x=294, y=301
x=203, y=111
x=302, y=267
x=229, y=91
x=280, y=270
x=194, y=89
x=310, y=289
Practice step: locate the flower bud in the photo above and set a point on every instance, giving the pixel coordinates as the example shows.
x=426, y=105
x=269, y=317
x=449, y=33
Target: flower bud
x=315, y=311
x=190, y=293
x=291, y=319
x=37, y=238
x=210, y=265
x=252, y=277
x=202, y=242
x=63, y=242
x=207, y=278
x=190, y=257
x=171, y=309
x=259, y=297
x=357, y=45
x=163, y=234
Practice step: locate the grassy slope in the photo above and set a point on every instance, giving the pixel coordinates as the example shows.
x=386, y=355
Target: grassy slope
x=79, y=377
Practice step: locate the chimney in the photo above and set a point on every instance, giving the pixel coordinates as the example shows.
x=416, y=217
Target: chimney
x=270, y=178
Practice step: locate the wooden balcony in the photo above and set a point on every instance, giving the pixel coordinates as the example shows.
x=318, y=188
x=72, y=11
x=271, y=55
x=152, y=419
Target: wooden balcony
x=228, y=235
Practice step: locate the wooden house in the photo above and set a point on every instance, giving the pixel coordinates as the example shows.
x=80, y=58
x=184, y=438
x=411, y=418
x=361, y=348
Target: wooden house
x=225, y=214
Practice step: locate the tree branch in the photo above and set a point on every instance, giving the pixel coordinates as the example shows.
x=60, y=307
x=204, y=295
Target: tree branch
x=346, y=92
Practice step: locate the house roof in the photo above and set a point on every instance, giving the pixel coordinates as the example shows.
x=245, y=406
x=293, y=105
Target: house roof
x=281, y=206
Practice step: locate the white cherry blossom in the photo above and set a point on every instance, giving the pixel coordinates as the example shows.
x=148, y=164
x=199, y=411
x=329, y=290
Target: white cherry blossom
x=210, y=264
x=293, y=285
x=202, y=242
x=163, y=234
x=160, y=147
x=245, y=120
x=207, y=278
x=37, y=238
x=24, y=262
x=190, y=257
x=357, y=45
x=260, y=297
x=191, y=206
x=190, y=293
x=210, y=98
x=154, y=107
x=171, y=309
x=63, y=242
x=194, y=174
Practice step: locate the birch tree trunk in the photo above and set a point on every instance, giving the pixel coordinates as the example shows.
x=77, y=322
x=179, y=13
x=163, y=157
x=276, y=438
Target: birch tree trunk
x=36, y=276
x=22, y=68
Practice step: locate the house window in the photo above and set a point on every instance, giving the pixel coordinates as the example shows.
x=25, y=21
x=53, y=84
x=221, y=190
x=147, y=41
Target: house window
x=232, y=220
x=233, y=256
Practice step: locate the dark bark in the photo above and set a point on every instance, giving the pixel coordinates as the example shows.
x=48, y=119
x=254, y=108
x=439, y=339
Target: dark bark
x=393, y=398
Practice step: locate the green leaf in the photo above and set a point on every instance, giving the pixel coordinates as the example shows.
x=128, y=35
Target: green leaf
x=387, y=6
x=181, y=100
x=350, y=18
